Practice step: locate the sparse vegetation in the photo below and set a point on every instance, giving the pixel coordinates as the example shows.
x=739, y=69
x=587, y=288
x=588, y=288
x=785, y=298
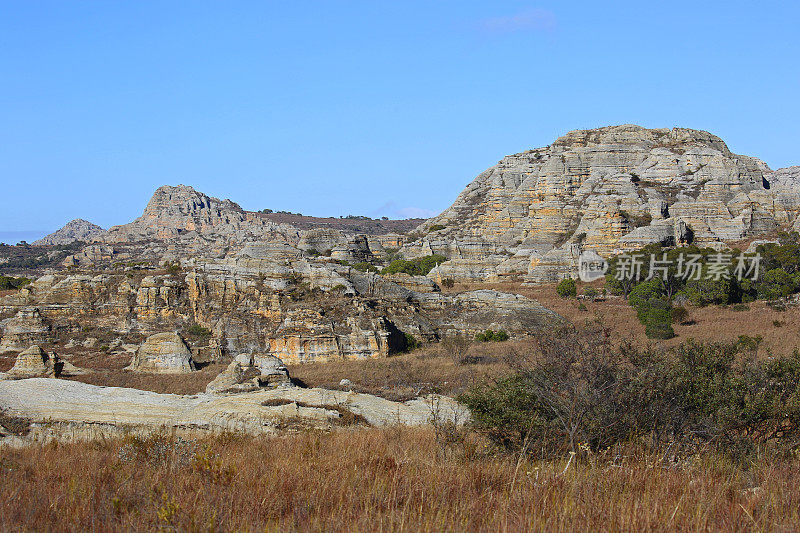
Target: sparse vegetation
x=448, y=283
x=196, y=330
x=580, y=393
x=10, y=283
x=365, y=267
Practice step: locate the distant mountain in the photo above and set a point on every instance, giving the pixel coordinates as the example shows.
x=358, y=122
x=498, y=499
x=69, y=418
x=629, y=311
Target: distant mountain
x=75, y=230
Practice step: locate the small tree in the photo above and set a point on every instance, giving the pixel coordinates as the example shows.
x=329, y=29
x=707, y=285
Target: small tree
x=456, y=348
x=657, y=317
x=567, y=288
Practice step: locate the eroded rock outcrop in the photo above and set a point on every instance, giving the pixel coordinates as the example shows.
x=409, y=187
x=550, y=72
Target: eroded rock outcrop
x=62, y=409
x=250, y=372
x=180, y=213
x=25, y=329
x=164, y=353
x=608, y=190
x=35, y=362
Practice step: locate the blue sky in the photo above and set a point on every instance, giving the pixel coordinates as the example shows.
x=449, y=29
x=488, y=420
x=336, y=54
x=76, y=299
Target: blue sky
x=360, y=107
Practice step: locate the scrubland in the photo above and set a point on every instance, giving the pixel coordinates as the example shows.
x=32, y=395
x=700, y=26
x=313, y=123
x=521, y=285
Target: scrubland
x=434, y=478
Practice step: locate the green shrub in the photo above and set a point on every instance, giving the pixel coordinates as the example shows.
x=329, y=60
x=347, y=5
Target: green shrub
x=680, y=315
x=448, y=283
x=704, y=292
x=365, y=267
x=198, y=331
x=642, y=293
x=746, y=343
x=411, y=342
x=656, y=315
x=9, y=283
x=566, y=288
x=436, y=227
x=492, y=336
x=414, y=267
x=775, y=284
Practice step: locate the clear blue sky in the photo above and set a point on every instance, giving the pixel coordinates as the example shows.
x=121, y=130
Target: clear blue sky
x=360, y=107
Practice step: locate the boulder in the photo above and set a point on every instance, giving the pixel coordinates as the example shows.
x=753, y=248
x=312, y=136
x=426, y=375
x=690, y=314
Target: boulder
x=163, y=353
x=250, y=372
x=35, y=362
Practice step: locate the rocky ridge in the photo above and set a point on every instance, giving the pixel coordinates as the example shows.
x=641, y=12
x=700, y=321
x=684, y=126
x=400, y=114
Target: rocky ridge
x=608, y=190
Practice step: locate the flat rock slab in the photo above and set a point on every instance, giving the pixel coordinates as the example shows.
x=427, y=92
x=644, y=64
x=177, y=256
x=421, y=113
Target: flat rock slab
x=47, y=400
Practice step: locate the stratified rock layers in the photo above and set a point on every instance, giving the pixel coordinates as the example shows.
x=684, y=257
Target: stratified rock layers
x=608, y=190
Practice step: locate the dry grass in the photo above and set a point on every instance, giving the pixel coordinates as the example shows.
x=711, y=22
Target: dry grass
x=190, y=383
x=406, y=376
x=390, y=479
x=712, y=323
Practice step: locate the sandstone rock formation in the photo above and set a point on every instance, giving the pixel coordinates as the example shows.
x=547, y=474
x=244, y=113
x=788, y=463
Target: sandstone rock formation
x=75, y=230
x=609, y=190
x=249, y=372
x=266, y=299
x=181, y=211
x=35, y=362
x=163, y=353
x=25, y=329
x=88, y=411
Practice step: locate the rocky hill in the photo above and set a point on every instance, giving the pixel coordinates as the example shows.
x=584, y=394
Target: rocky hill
x=609, y=190
x=251, y=285
x=75, y=230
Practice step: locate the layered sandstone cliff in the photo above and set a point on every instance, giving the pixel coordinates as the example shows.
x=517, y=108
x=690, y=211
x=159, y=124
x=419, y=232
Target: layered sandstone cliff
x=608, y=190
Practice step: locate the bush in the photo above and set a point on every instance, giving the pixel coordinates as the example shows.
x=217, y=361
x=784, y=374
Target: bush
x=492, y=336
x=448, y=283
x=642, y=293
x=656, y=315
x=776, y=283
x=591, y=293
x=581, y=393
x=680, y=315
x=567, y=288
x=704, y=292
x=365, y=267
x=414, y=267
x=9, y=283
x=198, y=331
x=411, y=343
